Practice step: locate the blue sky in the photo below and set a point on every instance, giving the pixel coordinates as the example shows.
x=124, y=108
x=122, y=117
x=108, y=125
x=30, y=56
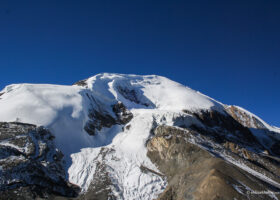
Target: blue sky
x=229, y=50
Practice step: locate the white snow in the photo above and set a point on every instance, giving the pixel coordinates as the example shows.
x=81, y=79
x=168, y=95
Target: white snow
x=64, y=110
x=163, y=93
x=124, y=163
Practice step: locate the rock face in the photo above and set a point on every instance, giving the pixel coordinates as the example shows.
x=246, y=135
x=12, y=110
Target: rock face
x=268, y=138
x=99, y=118
x=101, y=187
x=30, y=165
x=194, y=172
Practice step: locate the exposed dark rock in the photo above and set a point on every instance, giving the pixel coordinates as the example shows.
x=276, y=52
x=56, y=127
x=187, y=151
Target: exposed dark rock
x=243, y=118
x=97, y=121
x=127, y=127
x=146, y=170
x=101, y=186
x=275, y=148
x=123, y=115
x=99, y=118
x=222, y=127
x=81, y=83
x=270, y=139
x=31, y=166
x=133, y=96
x=193, y=173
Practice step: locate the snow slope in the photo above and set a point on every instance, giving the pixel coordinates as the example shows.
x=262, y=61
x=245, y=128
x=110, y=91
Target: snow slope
x=60, y=108
x=124, y=163
x=156, y=91
x=64, y=110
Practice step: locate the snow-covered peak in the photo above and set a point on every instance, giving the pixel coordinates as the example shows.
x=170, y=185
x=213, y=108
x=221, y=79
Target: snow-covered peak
x=99, y=103
x=64, y=109
x=150, y=91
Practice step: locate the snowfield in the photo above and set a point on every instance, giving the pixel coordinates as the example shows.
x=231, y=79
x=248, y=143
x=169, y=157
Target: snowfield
x=64, y=111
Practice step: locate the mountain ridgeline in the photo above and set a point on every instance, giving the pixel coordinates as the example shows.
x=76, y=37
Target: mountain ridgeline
x=124, y=137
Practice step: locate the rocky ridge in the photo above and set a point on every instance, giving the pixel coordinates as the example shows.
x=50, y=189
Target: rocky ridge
x=30, y=163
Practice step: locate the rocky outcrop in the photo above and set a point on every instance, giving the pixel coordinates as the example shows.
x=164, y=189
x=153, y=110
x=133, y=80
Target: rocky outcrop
x=194, y=173
x=82, y=83
x=99, y=118
x=222, y=127
x=30, y=164
x=122, y=113
x=134, y=96
x=244, y=118
x=269, y=139
x=101, y=187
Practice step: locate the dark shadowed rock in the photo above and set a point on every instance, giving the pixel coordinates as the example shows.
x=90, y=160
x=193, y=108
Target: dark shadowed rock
x=81, y=83
x=31, y=165
x=194, y=173
x=99, y=118
x=123, y=114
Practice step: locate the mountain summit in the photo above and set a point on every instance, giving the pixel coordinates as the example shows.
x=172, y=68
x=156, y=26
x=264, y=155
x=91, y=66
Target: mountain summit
x=116, y=136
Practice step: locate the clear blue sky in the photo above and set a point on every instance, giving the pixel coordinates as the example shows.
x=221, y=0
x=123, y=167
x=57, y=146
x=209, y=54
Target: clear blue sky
x=229, y=50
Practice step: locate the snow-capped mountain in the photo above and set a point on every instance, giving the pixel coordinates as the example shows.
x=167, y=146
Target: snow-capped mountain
x=115, y=136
